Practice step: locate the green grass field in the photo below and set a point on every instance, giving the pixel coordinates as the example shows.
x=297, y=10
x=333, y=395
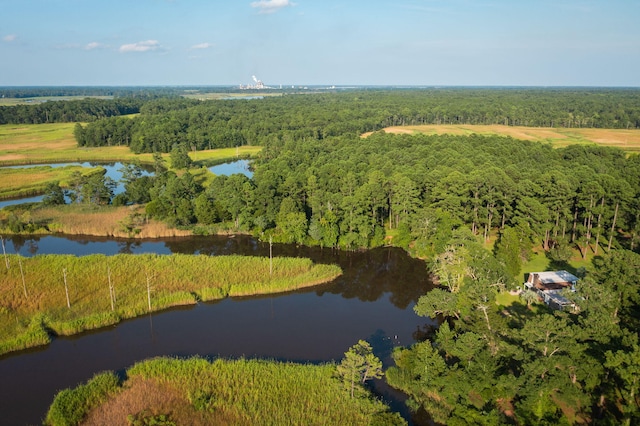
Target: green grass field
x=54, y=143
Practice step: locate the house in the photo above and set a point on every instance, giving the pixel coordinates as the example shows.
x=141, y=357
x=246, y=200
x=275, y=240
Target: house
x=549, y=285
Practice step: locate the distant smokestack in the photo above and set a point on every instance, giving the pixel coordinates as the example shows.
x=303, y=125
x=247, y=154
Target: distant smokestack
x=254, y=78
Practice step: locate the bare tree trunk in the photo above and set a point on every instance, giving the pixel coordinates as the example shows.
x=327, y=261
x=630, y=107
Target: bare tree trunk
x=595, y=250
x=575, y=223
x=270, y=255
x=484, y=308
x=66, y=287
x=588, y=224
x=4, y=252
x=613, y=226
x=148, y=293
x=112, y=295
x=545, y=243
x=24, y=285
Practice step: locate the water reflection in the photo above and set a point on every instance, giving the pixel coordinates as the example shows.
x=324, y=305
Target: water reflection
x=240, y=166
x=372, y=300
x=367, y=275
x=113, y=170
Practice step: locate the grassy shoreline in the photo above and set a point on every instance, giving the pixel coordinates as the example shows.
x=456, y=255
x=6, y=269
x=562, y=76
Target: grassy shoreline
x=32, y=181
x=33, y=309
x=197, y=391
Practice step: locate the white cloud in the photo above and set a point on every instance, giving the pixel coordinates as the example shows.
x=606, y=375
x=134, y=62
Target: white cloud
x=94, y=45
x=141, y=46
x=9, y=38
x=201, y=46
x=270, y=6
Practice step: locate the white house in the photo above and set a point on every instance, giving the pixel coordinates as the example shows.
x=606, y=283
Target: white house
x=549, y=285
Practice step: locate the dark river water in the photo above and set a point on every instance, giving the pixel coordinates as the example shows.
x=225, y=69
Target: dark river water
x=372, y=300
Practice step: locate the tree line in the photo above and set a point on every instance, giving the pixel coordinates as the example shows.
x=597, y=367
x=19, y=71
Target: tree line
x=85, y=110
x=350, y=192
x=164, y=123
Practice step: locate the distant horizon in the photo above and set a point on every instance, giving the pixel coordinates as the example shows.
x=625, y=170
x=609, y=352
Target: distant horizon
x=327, y=86
x=405, y=43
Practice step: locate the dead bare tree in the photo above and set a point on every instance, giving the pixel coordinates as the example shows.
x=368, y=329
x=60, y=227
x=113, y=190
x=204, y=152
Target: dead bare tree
x=270, y=255
x=24, y=285
x=66, y=287
x=112, y=293
x=6, y=258
x=148, y=292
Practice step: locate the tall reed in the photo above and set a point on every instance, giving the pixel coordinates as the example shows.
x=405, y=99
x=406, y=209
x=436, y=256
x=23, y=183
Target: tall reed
x=139, y=284
x=240, y=392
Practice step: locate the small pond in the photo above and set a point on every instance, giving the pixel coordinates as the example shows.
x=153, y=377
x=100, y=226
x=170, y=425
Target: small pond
x=240, y=166
x=113, y=171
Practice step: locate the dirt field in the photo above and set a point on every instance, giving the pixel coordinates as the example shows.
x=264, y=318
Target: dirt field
x=628, y=140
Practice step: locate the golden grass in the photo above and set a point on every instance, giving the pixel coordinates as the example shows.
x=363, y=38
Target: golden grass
x=223, y=392
x=35, y=296
x=33, y=180
x=627, y=140
x=141, y=394
x=105, y=221
x=54, y=143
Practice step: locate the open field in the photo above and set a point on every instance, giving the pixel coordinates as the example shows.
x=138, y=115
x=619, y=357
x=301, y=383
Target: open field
x=41, y=99
x=627, y=140
x=196, y=391
x=66, y=294
x=54, y=143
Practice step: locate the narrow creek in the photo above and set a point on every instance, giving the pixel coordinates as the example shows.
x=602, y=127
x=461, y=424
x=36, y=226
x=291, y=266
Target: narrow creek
x=372, y=300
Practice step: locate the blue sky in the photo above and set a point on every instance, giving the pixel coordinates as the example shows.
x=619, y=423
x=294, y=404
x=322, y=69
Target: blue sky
x=376, y=42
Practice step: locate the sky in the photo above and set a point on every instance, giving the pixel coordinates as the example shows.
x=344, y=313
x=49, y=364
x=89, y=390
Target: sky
x=320, y=42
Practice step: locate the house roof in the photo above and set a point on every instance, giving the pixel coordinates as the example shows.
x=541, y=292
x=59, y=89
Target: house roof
x=555, y=277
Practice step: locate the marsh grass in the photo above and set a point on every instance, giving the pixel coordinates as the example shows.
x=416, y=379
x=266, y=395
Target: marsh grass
x=55, y=143
x=70, y=405
x=173, y=280
x=107, y=221
x=32, y=181
x=240, y=392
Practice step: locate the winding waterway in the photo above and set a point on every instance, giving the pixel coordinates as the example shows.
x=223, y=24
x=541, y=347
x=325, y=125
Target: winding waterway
x=372, y=300
x=112, y=170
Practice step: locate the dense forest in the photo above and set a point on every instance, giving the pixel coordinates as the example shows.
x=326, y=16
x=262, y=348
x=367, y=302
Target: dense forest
x=443, y=198
x=225, y=123
x=167, y=119
x=88, y=109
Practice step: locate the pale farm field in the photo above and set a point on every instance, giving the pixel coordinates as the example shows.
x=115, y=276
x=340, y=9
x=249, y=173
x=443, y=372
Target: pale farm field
x=627, y=140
